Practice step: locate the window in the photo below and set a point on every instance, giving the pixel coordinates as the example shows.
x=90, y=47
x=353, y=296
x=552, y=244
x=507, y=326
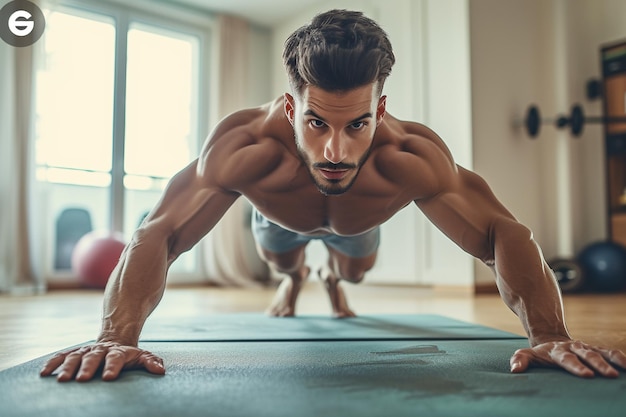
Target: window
x=117, y=115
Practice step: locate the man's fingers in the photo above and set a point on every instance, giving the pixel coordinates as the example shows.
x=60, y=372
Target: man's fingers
x=571, y=363
x=113, y=365
x=53, y=363
x=90, y=364
x=523, y=359
x=594, y=360
x=83, y=363
x=152, y=363
x=520, y=361
x=70, y=365
x=616, y=357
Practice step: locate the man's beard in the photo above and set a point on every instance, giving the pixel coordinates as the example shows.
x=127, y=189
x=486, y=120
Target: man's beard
x=330, y=186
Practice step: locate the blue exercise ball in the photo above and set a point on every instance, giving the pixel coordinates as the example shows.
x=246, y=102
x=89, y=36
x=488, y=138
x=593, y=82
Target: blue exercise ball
x=604, y=266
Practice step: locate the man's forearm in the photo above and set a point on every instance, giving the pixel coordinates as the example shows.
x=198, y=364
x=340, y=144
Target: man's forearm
x=528, y=287
x=539, y=308
x=135, y=289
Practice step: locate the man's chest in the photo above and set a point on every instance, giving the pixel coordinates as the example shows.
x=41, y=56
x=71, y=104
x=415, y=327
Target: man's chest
x=304, y=209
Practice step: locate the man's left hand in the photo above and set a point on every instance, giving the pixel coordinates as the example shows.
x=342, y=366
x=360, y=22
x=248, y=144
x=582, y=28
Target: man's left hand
x=575, y=357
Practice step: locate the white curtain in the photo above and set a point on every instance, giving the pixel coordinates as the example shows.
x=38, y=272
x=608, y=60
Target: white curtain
x=230, y=256
x=20, y=266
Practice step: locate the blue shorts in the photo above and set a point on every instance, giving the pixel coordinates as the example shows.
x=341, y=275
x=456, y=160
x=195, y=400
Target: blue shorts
x=278, y=240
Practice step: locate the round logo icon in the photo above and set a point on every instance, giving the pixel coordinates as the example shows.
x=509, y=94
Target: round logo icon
x=21, y=23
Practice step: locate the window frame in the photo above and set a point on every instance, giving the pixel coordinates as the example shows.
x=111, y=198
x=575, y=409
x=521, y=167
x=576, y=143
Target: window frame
x=171, y=19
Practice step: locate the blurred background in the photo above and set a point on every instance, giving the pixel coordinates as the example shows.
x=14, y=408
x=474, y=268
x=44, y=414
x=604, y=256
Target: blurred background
x=116, y=97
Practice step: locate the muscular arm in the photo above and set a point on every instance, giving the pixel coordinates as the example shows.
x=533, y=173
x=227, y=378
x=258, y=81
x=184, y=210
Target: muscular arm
x=193, y=202
x=189, y=208
x=470, y=215
x=463, y=207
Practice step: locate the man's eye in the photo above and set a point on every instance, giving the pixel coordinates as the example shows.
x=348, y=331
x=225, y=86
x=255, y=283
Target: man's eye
x=357, y=125
x=317, y=123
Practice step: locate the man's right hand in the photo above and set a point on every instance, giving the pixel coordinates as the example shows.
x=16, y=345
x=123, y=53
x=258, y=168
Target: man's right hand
x=83, y=363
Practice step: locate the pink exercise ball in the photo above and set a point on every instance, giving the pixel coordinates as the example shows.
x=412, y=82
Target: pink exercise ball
x=95, y=256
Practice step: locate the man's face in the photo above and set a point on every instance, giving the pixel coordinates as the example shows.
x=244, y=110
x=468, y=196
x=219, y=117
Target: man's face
x=334, y=132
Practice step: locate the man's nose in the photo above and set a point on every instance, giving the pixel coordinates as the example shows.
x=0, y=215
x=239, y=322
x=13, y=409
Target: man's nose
x=335, y=149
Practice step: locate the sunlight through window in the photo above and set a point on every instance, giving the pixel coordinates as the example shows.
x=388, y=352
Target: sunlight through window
x=77, y=128
x=159, y=101
x=75, y=94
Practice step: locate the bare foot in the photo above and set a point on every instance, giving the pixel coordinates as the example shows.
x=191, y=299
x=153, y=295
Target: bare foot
x=284, y=302
x=337, y=297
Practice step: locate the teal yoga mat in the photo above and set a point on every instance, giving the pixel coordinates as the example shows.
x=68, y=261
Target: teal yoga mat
x=451, y=376
x=258, y=327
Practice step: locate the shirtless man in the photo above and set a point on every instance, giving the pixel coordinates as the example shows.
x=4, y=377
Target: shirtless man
x=327, y=161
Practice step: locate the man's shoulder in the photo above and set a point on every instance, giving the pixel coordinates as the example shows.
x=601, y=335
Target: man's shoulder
x=245, y=144
x=399, y=138
x=414, y=155
x=249, y=124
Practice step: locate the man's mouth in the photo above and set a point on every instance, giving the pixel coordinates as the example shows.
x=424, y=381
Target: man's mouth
x=333, y=174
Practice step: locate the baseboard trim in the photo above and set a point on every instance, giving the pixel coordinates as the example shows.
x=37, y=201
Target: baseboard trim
x=486, y=288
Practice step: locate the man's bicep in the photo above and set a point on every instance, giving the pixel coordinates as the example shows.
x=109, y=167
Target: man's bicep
x=466, y=212
x=189, y=208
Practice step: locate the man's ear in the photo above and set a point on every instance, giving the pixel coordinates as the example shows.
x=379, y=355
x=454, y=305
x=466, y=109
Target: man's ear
x=381, y=109
x=289, y=107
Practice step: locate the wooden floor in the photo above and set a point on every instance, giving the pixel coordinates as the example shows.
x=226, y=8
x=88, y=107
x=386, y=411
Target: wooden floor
x=37, y=325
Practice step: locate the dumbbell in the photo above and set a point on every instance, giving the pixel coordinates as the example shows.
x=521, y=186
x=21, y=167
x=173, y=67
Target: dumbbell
x=576, y=120
x=568, y=274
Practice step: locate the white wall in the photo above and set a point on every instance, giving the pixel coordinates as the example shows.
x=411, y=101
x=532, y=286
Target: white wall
x=509, y=41
x=541, y=52
x=590, y=24
x=261, y=70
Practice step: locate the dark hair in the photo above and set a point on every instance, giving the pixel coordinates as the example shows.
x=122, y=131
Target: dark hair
x=338, y=51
